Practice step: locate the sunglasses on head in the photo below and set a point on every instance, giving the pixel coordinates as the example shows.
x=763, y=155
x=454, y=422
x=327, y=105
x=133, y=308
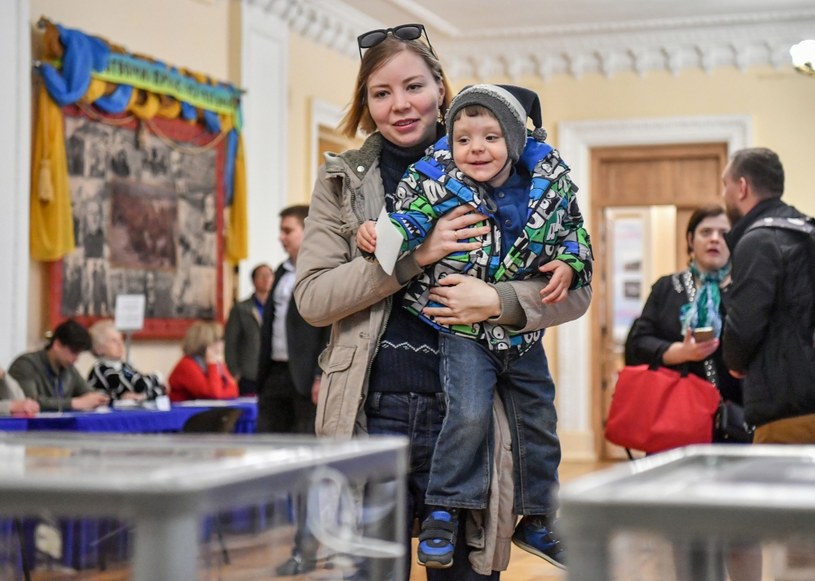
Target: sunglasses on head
x=371, y=38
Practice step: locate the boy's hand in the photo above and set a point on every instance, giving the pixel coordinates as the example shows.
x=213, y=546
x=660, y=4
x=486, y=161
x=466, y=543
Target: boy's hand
x=558, y=287
x=451, y=234
x=366, y=237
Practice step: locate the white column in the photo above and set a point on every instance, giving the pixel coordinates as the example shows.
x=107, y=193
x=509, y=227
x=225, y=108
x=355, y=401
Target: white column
x=15, y=148
x=264, y=74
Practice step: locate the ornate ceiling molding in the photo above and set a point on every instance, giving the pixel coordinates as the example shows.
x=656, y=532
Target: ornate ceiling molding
x=741, y=41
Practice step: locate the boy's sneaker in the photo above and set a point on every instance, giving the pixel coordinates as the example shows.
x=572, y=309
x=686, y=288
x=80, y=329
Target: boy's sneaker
x=535, y=535
x=437, y=541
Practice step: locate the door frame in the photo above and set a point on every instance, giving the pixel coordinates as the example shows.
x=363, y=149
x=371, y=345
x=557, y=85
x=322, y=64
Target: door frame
x=578, y=427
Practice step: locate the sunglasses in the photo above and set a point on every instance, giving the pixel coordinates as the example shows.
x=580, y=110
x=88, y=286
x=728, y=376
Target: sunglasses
x=403, y=32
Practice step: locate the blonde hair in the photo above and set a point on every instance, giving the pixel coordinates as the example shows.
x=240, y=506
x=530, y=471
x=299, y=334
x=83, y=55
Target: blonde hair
x=99, y=334
x=358, y=116
x=201, y=335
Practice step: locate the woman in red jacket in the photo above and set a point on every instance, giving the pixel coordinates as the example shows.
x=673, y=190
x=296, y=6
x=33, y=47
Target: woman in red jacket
x=201, y=373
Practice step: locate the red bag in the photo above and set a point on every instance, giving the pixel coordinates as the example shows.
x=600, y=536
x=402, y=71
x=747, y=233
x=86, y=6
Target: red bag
x=656, y=409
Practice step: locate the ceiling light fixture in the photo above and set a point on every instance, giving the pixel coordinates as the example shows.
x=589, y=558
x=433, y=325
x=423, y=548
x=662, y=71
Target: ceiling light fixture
x=803, y=57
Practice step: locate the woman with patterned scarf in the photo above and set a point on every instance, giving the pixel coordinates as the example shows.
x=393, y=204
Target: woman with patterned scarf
x=687, y=301
x=667, y=333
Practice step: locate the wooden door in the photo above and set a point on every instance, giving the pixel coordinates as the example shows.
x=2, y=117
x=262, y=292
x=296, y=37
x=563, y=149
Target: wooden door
x=679, y=177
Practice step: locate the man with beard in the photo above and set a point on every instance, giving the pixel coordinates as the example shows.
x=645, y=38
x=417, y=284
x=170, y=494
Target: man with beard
x=768, y=333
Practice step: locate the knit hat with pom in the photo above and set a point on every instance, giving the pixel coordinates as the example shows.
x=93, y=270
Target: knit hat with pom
x=511, y=106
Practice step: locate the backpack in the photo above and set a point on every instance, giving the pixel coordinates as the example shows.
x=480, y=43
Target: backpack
x=804, y=225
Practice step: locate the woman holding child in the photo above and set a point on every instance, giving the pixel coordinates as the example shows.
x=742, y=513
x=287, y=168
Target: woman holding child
x=381, y=368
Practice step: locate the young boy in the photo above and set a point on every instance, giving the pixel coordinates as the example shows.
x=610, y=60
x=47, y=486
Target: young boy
x=523, y=187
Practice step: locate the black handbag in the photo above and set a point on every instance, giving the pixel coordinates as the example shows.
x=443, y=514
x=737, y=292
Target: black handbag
x=729, y=425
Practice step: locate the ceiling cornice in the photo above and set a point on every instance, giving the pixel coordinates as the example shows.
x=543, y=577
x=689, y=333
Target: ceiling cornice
x=741, y=41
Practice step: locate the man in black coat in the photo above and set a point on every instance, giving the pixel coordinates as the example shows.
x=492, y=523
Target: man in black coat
x=288, y=374
x=768, y=332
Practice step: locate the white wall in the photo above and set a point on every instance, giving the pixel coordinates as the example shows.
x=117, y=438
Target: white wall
x=15, y=94
x=264, y=71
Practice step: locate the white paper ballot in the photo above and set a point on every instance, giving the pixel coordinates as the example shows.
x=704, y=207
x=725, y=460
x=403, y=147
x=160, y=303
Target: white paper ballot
x=388, y=242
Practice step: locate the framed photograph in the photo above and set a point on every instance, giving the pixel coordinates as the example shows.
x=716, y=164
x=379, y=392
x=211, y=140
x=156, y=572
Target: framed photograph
x=148, y=219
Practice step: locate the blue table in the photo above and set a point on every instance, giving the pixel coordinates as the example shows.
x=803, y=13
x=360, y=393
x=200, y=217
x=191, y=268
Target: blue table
x=13, y=424
x=80, y=550
x=136, y=421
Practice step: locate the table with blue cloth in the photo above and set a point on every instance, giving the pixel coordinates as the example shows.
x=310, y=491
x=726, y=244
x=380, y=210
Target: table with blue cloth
x=80, y=536
x=13, y=425
x=131, y=421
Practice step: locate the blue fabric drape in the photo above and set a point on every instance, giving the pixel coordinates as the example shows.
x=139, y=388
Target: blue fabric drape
x=82, y=54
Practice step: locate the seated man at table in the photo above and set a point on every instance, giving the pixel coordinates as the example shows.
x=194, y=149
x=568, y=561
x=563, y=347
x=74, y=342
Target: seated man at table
x=112, y=374
x=49, y=376
x=13, y=401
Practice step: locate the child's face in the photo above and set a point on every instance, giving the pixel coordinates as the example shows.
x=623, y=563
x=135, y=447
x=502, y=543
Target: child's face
x=480, y=150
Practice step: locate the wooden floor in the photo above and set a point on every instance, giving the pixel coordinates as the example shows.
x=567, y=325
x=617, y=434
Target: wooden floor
x=254, y=559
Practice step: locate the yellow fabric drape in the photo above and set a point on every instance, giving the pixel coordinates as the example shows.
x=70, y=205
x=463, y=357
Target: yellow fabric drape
x=169, y=108
x=237, y=237
x=147, y=109
x=51, y=225
x=95, y=90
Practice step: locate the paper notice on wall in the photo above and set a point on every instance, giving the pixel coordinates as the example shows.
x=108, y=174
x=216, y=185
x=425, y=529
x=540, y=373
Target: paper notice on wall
x=129, y=314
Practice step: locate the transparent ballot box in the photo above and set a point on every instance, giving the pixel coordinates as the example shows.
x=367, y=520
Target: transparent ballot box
x=200, y=507
x=698, y=513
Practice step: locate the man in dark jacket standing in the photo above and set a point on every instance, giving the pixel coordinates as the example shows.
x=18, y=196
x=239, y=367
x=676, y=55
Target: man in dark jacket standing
x=242, y=331
x=288, y=373
x=768, y=334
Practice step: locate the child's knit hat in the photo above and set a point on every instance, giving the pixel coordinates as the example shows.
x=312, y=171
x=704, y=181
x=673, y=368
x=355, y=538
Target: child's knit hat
x=510, y=104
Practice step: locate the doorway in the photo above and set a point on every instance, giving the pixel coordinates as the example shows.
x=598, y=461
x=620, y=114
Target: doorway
x=642, y=198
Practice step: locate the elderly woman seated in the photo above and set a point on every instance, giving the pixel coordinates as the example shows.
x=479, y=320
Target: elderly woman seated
x=201, y=373
x=112, y=374
x=13, y=401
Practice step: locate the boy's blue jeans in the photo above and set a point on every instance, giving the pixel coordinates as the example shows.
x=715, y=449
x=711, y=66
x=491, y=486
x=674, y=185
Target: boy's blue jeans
x=462, y=461
x=417, y=416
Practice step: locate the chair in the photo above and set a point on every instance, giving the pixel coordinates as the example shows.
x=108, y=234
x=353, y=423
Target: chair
x=213, y=421
x=24, y=562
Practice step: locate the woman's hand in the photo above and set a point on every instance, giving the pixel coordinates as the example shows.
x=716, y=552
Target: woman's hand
x=444, y=239
x=214, y=354
x=465, y=300
x=689, y=350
